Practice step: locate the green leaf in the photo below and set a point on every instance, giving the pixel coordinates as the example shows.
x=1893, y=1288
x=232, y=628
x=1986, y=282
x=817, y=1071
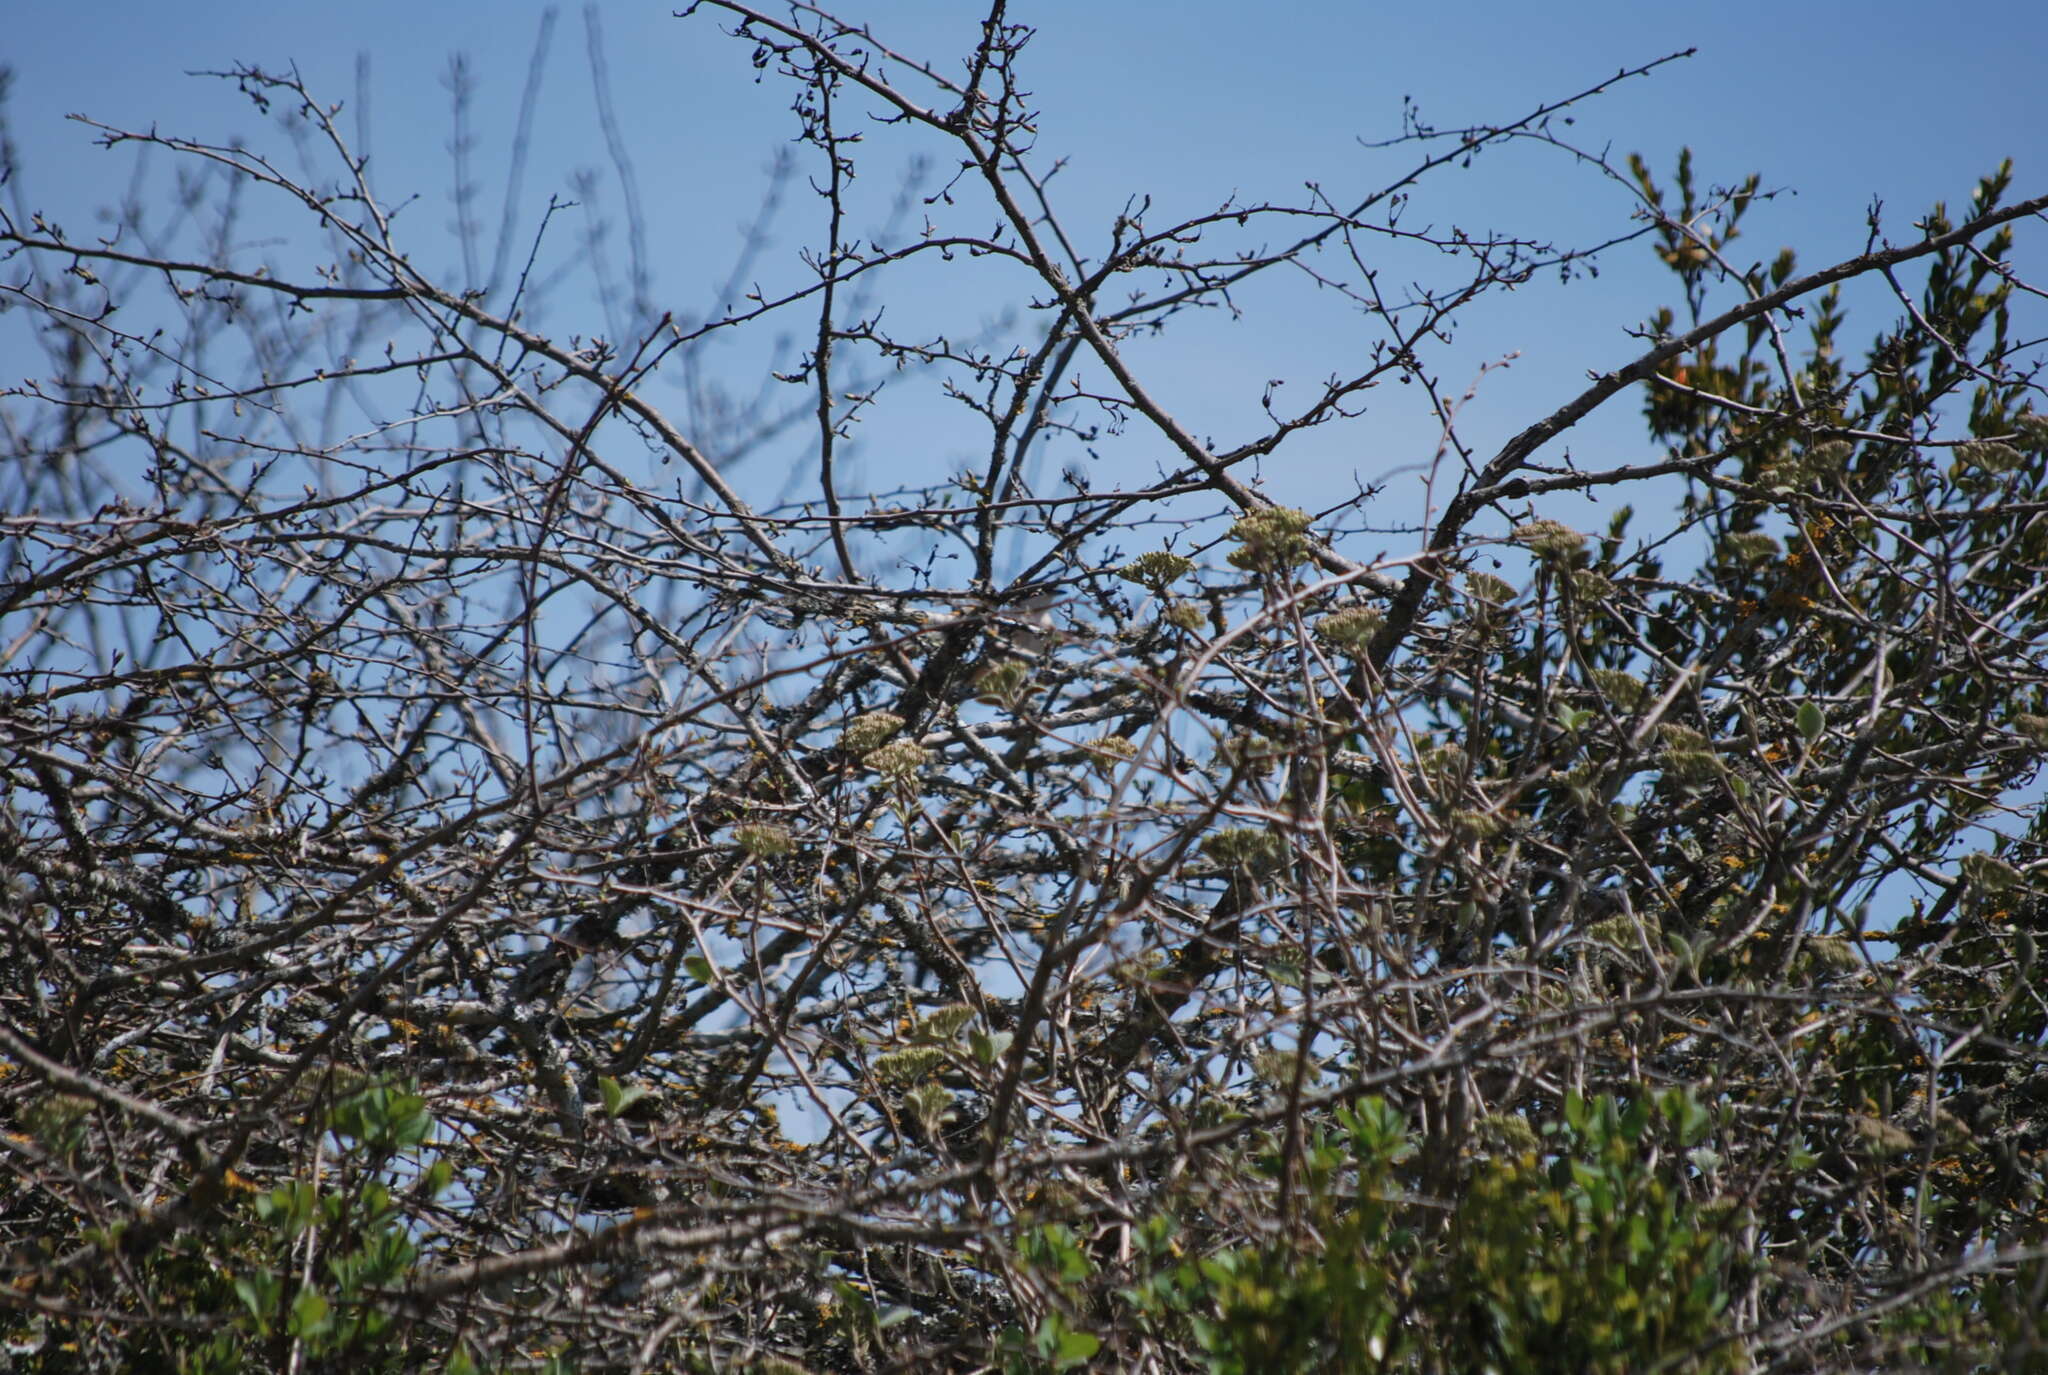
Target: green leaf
x=383, y=1117
x=1812, y=721
x=1076, y=1347
x=258, y=1293
x=989, y=1046
x=311, y=1314
x=618, y=1097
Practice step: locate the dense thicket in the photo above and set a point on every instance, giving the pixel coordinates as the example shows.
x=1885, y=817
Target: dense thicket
x=513, y=857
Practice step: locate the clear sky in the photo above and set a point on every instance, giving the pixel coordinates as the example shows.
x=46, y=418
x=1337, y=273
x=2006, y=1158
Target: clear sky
x=1840, y=103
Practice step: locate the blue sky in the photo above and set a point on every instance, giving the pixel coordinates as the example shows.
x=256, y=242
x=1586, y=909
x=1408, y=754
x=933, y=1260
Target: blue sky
x=1837, y=103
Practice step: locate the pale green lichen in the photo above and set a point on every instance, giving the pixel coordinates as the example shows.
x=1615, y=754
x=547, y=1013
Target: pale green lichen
x=1249, y=754
x=1750, y=547
x=943, y=1024
x=1471, y=824
x=1243, y=847
x=1351, y=628
x=764, y=841
x=1832, y=954
x=1589, y=586
x=911, y=1063
x=1156, y=569
x=898, y=761
x=1549, y=539
x=1623, y=691
x=1441, y=763
x=1002, y=684
x=1271, y=540
x=864, y=733
x=1987, y=456
x=1830, y=455
x=1989, y=873
x=1688, y=756
x=1486, y=588
x=1106, y=752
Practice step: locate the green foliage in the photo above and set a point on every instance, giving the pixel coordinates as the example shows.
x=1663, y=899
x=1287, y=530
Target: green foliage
x=1597, y=1254
x=304, y=1270
x=1300, y=1305
x=1588, y=1244
x=1051, y=1253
